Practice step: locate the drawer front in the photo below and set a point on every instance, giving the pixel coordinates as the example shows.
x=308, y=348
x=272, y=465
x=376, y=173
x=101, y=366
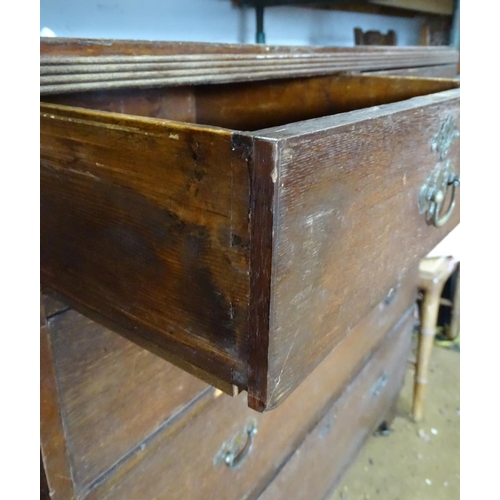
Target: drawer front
x=330, y=448
x=112, y=394
x=348, y=224
x=191, y=464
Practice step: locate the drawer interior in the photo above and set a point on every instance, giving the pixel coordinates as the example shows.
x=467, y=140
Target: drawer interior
x=250, y=106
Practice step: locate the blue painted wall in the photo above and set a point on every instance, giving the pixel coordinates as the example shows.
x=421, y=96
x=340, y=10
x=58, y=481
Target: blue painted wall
x=214, y=21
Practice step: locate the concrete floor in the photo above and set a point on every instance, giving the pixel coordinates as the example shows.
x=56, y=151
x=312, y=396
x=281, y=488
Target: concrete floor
x=416, y=461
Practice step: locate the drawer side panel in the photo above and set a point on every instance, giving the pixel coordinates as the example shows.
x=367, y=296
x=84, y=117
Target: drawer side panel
x=144, y=222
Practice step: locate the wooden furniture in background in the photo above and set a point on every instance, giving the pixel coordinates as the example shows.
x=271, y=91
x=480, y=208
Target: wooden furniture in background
x=434, y=273
x=373, y=37
x=436, y=31
x=432, y=10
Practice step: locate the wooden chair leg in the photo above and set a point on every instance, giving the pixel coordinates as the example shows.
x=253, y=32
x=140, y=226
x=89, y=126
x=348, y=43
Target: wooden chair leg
x=430, y=310
x=454, y=330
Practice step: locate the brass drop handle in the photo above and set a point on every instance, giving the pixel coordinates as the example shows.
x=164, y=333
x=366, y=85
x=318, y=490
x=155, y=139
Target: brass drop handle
x=234, y=452
x=436, y=202
x=433, y=194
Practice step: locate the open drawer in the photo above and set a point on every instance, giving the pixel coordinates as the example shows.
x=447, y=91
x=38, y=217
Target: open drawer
x=241, y=230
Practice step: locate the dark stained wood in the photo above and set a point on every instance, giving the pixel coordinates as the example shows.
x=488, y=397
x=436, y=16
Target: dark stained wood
x=173, y=103
x=436, y=31
x=117, y=400
x=51, y=304
x=262, y=208
x=203, y=244
x=319, y=462
x=112, y=394
x=145, y=222
x=347, y=226
x=81, y=47
x=258, y=105
x=44, y=487
x=92, y=65
x=58, y=474
x=181, y=466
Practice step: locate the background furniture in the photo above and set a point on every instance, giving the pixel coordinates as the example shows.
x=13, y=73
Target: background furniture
x=373, y=37
x=434, y=273
x=441, y=25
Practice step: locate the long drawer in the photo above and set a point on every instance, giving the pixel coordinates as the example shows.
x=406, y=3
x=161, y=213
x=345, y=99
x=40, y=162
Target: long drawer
x=243, y=242
x=318, y=463
x=230, y=452
x=137, y=427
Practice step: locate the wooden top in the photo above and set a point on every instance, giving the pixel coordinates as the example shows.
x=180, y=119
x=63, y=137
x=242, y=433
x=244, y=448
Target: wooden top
x=71, y=65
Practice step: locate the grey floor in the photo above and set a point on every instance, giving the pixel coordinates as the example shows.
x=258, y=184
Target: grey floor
x=416, y=461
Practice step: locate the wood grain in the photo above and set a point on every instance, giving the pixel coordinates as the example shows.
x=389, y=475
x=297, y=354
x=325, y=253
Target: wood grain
x=145, y=222
x=112, y=394
x=68, y=65
x=259, y=105
x=175, y=103
x=319, y=462
x=88, y=47
x=56, y=464
x=236, y=255
x=347, y=224
x=181, y=466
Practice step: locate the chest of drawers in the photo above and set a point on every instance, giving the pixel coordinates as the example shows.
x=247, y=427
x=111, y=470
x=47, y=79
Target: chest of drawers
x=238, y=213
x=120, y=422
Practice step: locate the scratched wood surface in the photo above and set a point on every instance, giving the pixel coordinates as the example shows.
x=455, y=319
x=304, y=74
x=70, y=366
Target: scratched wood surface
x=181, y=466
x=324, y=455
x=145, y=222
x=112, y=394
x=197, y=243
x=123, y=411
x=346, y=225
